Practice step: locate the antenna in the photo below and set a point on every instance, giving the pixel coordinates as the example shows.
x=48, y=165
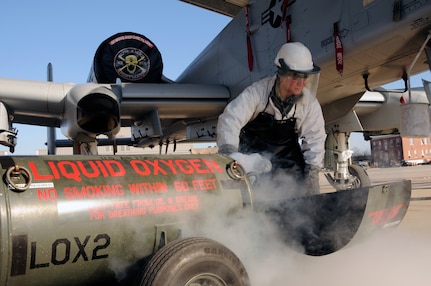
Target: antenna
x=50, y=130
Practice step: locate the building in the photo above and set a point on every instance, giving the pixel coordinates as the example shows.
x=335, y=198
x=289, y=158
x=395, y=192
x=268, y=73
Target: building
x=394, y=150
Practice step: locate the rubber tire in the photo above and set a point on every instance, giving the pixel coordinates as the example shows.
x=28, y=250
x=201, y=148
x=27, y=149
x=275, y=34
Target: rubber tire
x=361, y=174
x=105, y=69
x=184, y=259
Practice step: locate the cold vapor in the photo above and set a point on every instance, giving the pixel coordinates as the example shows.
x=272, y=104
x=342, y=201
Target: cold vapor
x=399, y=257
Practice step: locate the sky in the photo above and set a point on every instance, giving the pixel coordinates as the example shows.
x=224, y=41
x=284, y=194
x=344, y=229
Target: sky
x=67, y=34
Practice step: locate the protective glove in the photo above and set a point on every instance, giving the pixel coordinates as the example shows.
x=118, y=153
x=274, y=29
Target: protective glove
x=252, y=163
x=311, y=180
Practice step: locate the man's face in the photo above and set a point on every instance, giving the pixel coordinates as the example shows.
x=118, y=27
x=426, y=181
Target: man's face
x=291, y=85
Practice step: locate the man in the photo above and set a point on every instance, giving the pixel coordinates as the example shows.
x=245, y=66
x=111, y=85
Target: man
x=269, y=117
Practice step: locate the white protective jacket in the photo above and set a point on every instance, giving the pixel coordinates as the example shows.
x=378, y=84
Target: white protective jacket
x=310, y=124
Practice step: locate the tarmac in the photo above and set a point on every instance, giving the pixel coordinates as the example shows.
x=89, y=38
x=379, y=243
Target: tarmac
x=397, y=258
x=400, y=258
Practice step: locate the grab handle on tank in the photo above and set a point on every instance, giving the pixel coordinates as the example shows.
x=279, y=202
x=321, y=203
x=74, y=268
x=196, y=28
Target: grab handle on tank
x=13, y=175
x=235, y=171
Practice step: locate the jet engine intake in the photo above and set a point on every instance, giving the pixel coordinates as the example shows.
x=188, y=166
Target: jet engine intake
x=90, y=110
x=97, y=113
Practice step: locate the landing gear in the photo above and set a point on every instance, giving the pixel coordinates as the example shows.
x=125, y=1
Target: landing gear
x=359, y=176
x=356, y=178
x=346, y=177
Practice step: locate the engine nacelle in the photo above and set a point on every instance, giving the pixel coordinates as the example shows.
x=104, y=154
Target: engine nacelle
x=91, y=109
x=7, y=132
x=128, y=56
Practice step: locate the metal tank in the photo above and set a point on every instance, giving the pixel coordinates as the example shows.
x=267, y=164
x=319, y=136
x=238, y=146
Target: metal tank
x=75, y=220
x=136, y=220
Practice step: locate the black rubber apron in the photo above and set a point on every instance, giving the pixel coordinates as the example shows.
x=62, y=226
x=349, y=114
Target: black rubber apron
x=265, y=134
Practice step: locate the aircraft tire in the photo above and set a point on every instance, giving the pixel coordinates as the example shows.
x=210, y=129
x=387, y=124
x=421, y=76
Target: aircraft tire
x=194, y=261
x=361, y=178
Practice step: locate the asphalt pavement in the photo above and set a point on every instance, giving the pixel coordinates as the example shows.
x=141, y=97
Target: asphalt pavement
x=400, y=257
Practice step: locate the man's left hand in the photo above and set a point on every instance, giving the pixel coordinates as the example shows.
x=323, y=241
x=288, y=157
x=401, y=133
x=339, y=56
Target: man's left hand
x=311, y=180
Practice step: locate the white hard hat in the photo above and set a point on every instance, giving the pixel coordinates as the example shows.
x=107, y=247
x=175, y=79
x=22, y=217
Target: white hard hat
x=294, y=56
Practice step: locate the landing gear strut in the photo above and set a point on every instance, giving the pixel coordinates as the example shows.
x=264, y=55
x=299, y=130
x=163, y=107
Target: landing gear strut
x=345, y=177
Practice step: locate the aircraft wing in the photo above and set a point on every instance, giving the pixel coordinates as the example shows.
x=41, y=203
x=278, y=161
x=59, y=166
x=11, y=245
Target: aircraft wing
x=147, y=106
x=226, y=7
x=376, y=40
x=128, y=90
